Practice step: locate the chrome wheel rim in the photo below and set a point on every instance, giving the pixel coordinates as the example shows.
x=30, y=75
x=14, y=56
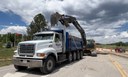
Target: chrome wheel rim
x=49, y=64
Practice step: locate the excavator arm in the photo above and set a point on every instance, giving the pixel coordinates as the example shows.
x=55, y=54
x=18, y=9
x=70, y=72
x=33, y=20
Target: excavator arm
x=65, y=20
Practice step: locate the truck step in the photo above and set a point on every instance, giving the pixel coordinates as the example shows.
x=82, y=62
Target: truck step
x=61, y=60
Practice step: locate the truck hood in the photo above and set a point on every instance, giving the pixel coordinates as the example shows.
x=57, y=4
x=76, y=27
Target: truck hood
x=36, y=41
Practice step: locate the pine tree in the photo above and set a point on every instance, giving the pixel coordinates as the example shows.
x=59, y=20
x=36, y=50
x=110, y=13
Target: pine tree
x=38, y=24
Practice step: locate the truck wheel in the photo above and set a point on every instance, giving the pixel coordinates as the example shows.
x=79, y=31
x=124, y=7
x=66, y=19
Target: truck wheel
x=19, y=68
x=69, y=57
x=81, y=54
x=48, y=66
x=78, y=55
x=74, y=56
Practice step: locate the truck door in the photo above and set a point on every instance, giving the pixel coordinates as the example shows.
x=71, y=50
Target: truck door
x=58, y=43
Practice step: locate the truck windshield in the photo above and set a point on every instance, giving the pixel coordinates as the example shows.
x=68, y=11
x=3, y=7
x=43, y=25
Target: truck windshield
x=43, y=37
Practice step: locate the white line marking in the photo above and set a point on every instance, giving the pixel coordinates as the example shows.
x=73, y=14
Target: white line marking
x=6, y=69
x=17, y=74
x=8, y=75
x=45, y=76
x=87, y=75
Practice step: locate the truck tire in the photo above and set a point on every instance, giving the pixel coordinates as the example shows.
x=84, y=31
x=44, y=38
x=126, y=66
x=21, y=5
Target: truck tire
x=81, y=54
x=70, y=58
x=48, y=65
x=19, y=68
x=78, y=55
x=74, y=56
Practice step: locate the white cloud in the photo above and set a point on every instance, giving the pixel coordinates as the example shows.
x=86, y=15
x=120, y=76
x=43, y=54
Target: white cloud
x=99, y=18
x=124, y=34
x=101, y=13
x=27, y=9
x=13, y=29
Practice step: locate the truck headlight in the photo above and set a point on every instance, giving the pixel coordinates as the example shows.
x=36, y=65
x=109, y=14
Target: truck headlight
x=41, y=54
x=15, y=52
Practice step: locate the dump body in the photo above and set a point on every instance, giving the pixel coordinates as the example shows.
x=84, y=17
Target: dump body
x=73, y=43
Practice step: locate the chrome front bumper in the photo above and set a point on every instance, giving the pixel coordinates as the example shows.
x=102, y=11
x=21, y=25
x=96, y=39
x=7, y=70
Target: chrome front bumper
x=28, y=62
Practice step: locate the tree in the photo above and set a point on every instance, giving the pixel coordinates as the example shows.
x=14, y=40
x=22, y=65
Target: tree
x=38, y=24
x=11, y=38
x=120, y=43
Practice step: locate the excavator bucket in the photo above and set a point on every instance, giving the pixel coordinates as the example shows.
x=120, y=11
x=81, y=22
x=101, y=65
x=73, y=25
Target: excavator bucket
x=58, y=17
x=55, y=18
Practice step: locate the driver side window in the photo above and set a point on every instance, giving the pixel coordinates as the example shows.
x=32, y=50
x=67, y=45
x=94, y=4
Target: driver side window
x=57, y=38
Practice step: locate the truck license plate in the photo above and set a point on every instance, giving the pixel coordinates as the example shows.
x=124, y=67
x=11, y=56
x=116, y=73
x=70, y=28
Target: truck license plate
x=24, y=61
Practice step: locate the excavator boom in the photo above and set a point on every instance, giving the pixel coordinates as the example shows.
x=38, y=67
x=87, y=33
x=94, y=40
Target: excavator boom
x=65, y=20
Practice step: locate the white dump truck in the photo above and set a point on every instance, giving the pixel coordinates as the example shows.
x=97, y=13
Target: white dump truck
x=46, y=49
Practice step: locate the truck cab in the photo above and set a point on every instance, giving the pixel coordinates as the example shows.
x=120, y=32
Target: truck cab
x=54, y=38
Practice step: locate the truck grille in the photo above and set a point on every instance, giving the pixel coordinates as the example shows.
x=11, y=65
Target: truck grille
x=26, y=49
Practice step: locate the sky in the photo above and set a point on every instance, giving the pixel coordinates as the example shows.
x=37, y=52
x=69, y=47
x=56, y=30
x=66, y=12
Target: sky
x=105, y=21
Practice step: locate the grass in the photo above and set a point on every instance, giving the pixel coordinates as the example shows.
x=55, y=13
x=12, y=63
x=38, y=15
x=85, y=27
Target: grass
x=5, y=63
x=6, y=55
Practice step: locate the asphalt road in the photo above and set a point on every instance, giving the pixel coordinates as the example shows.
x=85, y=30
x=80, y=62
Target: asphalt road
x=104, y=65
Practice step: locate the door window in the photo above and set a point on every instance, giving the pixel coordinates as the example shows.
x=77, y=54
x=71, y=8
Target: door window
x=57, y=38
